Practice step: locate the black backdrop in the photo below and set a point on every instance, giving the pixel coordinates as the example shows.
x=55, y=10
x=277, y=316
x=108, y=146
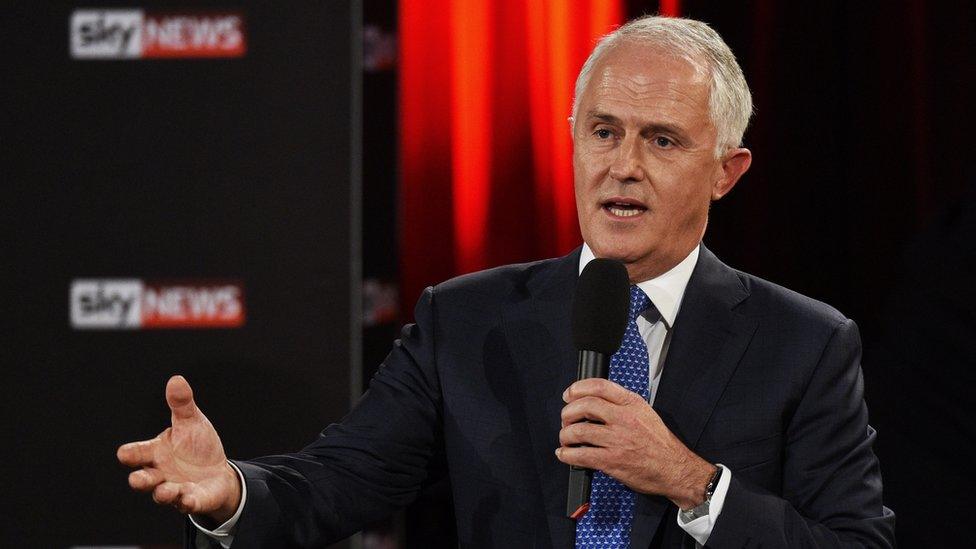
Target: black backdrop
x=242, y=169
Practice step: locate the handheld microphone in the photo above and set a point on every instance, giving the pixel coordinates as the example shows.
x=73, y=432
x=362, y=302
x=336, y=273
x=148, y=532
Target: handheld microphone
x=600, y=306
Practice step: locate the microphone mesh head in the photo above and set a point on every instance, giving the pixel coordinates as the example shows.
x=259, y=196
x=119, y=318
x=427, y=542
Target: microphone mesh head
x=600, y=306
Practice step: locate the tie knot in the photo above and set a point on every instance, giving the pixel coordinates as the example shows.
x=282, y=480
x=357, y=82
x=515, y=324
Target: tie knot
x=639, y=302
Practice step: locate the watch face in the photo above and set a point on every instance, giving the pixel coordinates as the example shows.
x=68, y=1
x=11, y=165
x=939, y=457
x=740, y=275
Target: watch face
x=696, y=512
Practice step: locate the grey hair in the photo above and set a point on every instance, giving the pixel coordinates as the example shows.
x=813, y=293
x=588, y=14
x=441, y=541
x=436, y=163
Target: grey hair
x=729, y=102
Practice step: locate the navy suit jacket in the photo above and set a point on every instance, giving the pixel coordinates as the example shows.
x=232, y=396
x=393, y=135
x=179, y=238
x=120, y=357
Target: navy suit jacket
x=757, y=377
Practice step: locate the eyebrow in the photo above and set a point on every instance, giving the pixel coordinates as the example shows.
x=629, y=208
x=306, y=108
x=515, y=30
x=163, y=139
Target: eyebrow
x=647, y=128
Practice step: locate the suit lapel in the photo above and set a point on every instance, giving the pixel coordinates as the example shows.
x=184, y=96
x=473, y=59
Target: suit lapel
x=538, y=330
x=707, y=341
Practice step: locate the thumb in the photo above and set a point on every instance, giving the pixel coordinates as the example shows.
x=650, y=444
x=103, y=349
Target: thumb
x=179, y=397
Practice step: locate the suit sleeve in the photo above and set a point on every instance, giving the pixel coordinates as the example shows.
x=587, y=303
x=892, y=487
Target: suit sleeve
x=357, y=471
x=831, y=478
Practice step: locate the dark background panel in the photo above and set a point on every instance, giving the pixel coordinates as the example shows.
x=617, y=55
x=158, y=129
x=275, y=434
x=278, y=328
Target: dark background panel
x=171, y=169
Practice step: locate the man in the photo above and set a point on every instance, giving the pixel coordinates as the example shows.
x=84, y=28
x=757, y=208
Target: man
x=733, y=416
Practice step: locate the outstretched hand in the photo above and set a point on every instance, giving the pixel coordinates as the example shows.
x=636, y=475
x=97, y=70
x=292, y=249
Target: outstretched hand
x=185, y=465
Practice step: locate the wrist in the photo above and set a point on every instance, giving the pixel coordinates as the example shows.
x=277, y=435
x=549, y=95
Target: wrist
x=233, y=500
x=692, y=486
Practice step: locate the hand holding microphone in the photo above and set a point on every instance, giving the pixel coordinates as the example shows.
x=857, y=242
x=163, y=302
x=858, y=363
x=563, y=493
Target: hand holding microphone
x=605, y=425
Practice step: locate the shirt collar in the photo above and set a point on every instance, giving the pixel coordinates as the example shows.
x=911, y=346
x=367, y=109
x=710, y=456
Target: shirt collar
x=666, y=290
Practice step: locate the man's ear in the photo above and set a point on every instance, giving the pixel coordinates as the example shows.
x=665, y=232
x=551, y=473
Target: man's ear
x=734, y=164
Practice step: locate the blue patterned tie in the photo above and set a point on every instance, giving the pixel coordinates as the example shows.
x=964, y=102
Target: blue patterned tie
x=607, y=524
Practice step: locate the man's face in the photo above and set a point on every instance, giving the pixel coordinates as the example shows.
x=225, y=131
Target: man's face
x=643, y=158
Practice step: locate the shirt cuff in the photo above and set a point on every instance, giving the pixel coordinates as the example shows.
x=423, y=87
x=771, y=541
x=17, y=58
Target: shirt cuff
x=224, y=534
x=701, y=527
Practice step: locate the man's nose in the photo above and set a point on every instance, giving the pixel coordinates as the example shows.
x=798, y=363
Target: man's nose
x=628, y=166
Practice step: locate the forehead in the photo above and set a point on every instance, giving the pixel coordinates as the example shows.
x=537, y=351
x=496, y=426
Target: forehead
x=645, y=80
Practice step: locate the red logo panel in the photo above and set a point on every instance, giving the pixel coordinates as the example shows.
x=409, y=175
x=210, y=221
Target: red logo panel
x=193, y=35
x=190, y=304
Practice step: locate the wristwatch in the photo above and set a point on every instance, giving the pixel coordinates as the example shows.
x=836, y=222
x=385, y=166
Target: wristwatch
x=701, y=509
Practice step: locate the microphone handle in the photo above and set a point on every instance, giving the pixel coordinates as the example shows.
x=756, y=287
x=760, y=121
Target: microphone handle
x=590, y=364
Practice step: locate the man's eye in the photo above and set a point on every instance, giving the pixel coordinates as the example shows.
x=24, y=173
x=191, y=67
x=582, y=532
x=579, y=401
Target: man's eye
x=603, y=133
x=663, y=142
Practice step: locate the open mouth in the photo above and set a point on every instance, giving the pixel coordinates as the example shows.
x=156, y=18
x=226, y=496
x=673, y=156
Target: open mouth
x=624, y=207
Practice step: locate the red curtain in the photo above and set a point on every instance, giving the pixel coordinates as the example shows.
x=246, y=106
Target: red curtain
x=485, y=147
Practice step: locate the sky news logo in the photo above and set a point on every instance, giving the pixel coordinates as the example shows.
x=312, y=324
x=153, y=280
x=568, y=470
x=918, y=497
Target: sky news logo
x=137, y=34
x=133, y=304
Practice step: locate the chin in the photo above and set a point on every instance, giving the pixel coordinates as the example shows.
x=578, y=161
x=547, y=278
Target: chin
x=615, y=249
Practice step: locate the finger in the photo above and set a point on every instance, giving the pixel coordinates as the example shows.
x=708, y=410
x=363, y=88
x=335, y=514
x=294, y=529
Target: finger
x=179, y=397
x=584, y=456
x=590, y=434
x=146, y=479
x=138, y=454
x=166, y=493
x=588, y=408
x=602, y=388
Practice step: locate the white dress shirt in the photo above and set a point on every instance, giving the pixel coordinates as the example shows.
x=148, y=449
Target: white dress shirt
x=666, y=292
